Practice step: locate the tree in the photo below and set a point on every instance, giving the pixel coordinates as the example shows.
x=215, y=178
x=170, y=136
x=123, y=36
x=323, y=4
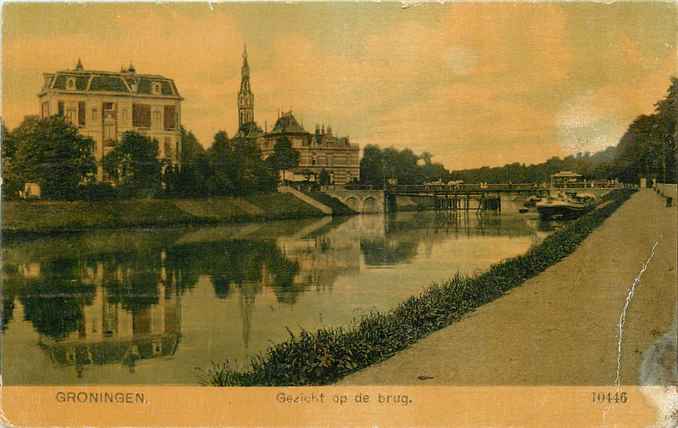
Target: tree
x=235, y=167
x=221, y=177
x=372, y=166
x=133, y=165
x=11, y=184
x=254, y=173
x=667, y=111
x=53, y=154
x=191, y=178
x=284, y=156
x=191, y=149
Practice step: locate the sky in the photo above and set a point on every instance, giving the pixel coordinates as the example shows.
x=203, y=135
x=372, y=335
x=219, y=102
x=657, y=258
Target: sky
x=473, y=84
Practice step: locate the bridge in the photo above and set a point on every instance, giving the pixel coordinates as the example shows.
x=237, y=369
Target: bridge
x=458, y=197
x=473, y=197
x=367, y=200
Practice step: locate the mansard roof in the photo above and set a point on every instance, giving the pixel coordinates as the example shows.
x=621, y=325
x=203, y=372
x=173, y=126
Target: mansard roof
x=287, y=124
x=123, y=82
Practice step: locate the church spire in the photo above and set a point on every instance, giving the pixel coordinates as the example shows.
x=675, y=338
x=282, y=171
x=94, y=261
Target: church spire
x=245, y=96
x=245, y=65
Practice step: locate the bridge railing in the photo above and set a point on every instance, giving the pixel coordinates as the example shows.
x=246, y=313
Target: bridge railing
x=355, y=187
x=461, y=188
x=464, y=188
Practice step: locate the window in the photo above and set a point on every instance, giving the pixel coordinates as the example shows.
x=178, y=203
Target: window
x=70, y=116
x=45, y=109
x=156, y=117
x=70, y=83
x=108, y=113
x=109, y=132
x=60, y=105
x=81, y=113
x=94, y=113
x=170, y=116
x=125, y=114
x=141, y=115
x=156, y=88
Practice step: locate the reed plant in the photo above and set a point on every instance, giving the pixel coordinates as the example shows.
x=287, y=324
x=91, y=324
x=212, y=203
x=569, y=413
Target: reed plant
x=326, y=355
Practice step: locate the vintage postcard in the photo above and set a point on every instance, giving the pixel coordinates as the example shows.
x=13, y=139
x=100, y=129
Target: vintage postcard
x=339, y=214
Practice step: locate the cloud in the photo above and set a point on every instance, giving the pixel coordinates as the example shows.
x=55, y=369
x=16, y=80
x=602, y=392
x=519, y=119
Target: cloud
x=474, y=84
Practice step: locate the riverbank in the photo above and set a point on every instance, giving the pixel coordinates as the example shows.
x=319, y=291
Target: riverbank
x=562, y=327
x=327, y=355
x=45, y=217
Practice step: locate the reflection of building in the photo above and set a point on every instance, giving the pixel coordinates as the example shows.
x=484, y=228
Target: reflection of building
x=321, y=150
x=323, y=257
x=110, y=334
x=103, y=105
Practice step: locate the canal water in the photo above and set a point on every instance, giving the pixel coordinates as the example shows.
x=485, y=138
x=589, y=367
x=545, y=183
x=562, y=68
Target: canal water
x=152, y=306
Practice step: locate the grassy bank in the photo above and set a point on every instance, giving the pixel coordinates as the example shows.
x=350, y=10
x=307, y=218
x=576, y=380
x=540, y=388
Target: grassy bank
x=324, y=356
x=22, y=217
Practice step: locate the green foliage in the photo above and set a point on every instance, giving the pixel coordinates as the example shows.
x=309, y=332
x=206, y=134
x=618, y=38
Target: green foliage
x=11, y=183
x=379, y=165
x=235, y=167
x=133, y=165
x=284, y=156
x=648, y=148
x=97, y=192
x=324, y=356
x=371, y=166
x=49, y=152
x=189, y=180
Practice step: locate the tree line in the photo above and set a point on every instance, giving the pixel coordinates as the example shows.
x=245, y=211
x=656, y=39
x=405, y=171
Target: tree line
x=647, y=149
x=51, y=153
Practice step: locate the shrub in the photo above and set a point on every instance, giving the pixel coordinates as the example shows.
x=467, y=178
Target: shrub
x=97, y=192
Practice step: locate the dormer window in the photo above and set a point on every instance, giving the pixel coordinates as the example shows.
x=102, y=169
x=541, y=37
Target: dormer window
x=70, y=83
x=156, y=88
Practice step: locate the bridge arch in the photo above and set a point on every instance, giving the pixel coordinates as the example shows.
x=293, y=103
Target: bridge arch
x=352, y=203
x=369, y=205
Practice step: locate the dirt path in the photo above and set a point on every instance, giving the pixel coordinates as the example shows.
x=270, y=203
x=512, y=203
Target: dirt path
x=561, y=328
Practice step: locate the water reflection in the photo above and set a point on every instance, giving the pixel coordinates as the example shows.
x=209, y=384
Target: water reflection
x=117, y=299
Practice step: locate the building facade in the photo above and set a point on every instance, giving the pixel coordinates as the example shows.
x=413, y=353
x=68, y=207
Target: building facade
x=318, y=151
x=103, y=105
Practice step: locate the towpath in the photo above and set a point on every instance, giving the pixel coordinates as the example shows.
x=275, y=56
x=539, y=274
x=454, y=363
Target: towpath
x=562, y=327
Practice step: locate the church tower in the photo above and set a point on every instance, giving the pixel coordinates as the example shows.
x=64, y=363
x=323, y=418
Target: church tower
x=245, y=96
